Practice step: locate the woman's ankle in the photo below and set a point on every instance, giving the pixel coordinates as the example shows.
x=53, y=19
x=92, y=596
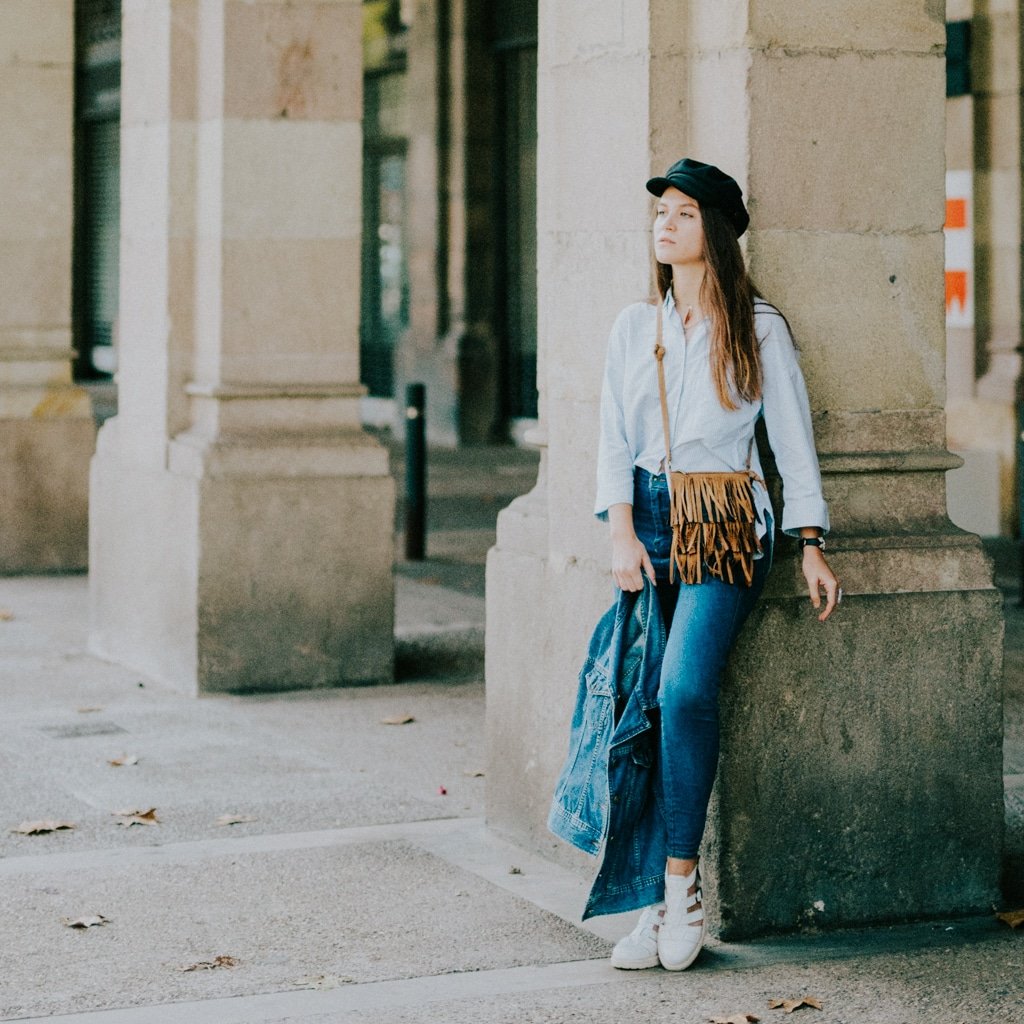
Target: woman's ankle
x=680, y=866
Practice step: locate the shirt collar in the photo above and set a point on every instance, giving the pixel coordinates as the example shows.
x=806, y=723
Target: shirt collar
x=669, y=302
x=669, y=306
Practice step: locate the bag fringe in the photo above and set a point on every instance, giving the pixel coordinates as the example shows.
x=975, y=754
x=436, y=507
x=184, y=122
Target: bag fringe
x=714, y=527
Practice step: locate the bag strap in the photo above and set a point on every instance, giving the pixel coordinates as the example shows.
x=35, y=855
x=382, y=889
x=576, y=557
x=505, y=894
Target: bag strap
x=659, y=355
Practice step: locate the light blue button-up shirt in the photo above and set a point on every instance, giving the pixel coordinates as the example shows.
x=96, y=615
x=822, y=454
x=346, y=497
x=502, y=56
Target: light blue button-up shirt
x=705, y=436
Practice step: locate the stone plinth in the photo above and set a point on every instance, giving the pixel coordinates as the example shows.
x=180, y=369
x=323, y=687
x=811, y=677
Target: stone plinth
x=860, y=777
x=242, y=525
x=46, y=427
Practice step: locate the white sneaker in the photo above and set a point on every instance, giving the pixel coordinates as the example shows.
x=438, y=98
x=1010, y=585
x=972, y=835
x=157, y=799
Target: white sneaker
x=681, y=934
x=639, y=949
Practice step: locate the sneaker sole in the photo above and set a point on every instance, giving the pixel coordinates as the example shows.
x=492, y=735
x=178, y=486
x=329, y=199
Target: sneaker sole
x=636, y=965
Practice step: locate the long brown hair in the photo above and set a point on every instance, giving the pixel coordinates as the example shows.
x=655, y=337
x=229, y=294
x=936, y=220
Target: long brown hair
x=727, y=295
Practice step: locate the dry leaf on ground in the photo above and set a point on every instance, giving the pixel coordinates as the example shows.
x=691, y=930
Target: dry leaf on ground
x=233, y=819
x=91, y=921
x=789, y=1005
x=736, y=1018
x=397, y=720
x=1014, y=918
x=129, y=818
x=123, y=761
x=6, y=615
x=38, y=828
x=212, y=965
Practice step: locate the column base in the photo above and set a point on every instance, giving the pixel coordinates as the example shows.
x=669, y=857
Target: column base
x=539, y=617
x=44, y=483
x=982, y=496
x=245, y=567
x=860, y=778
x=861, y=772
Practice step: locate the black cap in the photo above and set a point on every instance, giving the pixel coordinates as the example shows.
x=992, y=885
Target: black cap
x=709, y=186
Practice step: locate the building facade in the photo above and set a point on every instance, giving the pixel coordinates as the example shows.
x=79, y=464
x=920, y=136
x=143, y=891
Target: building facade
x=449, y=251
x=448, y=266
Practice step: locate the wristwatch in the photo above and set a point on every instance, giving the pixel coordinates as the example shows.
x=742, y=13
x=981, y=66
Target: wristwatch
x=813, y=542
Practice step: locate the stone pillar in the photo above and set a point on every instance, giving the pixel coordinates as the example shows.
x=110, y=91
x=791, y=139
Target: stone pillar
x=241, y=535
x=861, y=770
x=471, y=245
x=450, y=344
x=984, y=425
x=46, y=428
x=425, y=352
x=961, y=362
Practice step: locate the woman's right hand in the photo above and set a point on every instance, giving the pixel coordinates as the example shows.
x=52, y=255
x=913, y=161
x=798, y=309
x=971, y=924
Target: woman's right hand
x=629, y=561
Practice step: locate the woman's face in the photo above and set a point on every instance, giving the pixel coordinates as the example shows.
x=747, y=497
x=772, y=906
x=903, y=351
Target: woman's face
x=678, y=230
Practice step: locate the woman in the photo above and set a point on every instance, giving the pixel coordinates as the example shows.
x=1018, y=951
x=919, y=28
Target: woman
x=728, y=358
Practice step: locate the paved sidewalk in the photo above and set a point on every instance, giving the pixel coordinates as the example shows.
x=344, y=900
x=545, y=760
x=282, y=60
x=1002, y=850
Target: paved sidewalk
x=364, y=886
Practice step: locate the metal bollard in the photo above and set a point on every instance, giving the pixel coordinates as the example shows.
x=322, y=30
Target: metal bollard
x=415, y=472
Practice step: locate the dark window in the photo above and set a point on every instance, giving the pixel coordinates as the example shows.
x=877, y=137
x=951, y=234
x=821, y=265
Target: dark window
x=97, y=183
x=958, y=58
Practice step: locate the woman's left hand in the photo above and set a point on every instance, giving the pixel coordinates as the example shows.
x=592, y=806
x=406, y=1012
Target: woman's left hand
x=820, y=577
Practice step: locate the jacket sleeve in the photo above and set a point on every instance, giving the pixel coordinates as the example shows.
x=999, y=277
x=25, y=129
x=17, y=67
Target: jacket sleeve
x=787, y=415
x=614, y=456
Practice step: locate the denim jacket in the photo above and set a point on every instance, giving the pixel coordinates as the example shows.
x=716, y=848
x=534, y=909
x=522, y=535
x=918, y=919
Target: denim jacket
x=609, y=791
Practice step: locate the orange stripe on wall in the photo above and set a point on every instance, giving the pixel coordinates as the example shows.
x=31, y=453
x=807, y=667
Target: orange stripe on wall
x=956, y=213
x=956, y=288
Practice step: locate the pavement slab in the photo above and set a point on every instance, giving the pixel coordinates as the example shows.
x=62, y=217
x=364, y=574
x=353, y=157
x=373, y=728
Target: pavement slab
x=331, y=911
x=875, y=989
x=293, y=761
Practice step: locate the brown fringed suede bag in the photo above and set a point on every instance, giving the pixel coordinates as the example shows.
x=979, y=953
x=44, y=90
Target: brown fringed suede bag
x=714, y=521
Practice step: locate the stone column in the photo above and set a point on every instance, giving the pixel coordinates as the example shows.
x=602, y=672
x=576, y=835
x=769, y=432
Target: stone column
x=471, y=245
x=46, y=428
x=242, y=521
x=984, y=424
x=861, y=770
x=424, y=352
x=450, y=344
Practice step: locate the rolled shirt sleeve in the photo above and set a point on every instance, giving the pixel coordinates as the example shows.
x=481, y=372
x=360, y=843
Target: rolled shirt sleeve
x=787, y=416
x=614, y=452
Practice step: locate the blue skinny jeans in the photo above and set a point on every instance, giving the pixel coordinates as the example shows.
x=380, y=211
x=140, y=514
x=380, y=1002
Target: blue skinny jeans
x=703, y=621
